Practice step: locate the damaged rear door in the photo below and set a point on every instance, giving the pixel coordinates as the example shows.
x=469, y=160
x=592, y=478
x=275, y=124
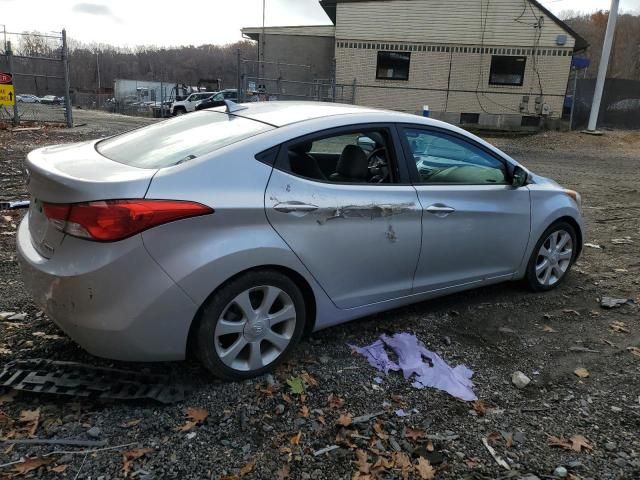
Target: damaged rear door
x=344, y=205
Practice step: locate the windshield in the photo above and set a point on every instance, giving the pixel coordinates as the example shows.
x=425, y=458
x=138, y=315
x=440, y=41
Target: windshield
x=179, y=140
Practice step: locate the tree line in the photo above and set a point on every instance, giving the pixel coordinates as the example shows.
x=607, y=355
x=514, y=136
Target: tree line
x=625, y=53
x=90, y=63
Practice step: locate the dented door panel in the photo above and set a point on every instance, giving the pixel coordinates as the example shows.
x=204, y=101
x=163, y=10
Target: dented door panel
x=360, y=242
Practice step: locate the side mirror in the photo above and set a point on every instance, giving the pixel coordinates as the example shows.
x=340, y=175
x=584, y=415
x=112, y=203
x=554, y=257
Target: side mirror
x=366, y=143
x=520, y=177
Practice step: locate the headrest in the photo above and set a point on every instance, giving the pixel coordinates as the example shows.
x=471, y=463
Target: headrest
x=353, y=163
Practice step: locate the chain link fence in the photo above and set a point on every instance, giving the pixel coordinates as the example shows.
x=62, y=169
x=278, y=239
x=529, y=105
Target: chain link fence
x=269, y=81
x=38, y=64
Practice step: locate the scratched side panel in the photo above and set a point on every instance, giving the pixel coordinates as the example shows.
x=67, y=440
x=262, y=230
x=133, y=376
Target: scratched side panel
x=362, y=241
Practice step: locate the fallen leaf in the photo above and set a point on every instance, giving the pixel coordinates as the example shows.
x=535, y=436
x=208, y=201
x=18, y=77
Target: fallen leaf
x=382, y=464
x=561, y=442
x=479, y=407
x=573, y=312
x=413, y=434
x=130, y=455
x=619, y=327
x=508, y=438
x=363, y=465
x=403, y=463
x=197, y=414
x=308, y=379
x=493, y=437
x=246, y=470
x=634, y=351
x=31, y=418
x=31, y=464
x=335, y=402
x=377, y=427
x=187, y=426
x=549, y=328
x=286, y=398
x=472, y=462
x=130, y=423
x=283, y=472
x=343, y=438
x=581, y=372
x=58, y=468
x=295, y=440
x=296, y=385
x=425, y=470
x=345, y=420
x=578, y=442
x=304, y=411
x=430, y=446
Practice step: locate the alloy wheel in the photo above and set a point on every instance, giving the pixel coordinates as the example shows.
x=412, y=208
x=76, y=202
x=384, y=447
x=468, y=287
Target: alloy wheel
x=554, y=257
x=255, y=328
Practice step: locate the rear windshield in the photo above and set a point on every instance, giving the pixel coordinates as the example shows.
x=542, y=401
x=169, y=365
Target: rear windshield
x=179, y=140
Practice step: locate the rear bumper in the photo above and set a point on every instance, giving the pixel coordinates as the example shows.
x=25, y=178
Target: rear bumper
x=111, y=298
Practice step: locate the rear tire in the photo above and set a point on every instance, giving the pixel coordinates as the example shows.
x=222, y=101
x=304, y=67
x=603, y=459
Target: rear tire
x=250, y=325
x=552, y=257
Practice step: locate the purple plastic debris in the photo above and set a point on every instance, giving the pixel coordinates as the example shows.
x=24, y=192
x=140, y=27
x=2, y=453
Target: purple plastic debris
x=378, y=380
x=435, y=372
x=377, y=356
x=401, y=413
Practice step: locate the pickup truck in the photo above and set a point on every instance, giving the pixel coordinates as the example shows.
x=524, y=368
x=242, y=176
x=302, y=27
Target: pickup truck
x=218, y=99
x=189, y=104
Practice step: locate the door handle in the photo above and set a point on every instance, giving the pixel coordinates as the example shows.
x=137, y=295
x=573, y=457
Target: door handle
x=295, y=207
x=440, y=210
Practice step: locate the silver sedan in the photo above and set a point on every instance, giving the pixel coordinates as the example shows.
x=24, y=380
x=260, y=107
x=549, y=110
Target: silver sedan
x=232, y=231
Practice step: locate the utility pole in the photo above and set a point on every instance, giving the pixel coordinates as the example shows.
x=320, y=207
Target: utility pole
x=602, y=68
x=262, y=41
x=16, y=114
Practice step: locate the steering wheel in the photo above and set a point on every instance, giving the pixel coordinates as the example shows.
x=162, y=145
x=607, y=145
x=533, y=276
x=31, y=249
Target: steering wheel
x=377, y=161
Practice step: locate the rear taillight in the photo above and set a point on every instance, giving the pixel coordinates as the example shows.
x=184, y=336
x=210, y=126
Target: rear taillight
x=111, y=220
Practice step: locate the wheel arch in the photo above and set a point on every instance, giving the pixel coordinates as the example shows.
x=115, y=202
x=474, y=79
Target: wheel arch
x=578, y=229
x=300, y=281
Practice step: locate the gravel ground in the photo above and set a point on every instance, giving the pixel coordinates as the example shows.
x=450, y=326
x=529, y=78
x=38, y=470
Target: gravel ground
x=261, y=429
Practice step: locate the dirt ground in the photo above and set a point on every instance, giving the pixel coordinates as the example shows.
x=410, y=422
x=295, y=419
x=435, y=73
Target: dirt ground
x=261, y=429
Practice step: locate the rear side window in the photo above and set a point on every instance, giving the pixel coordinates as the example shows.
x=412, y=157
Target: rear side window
x=179, y=140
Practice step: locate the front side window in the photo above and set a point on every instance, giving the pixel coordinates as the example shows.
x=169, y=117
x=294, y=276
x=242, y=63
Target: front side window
x=507, y=70
x=179, y=140
x=393, y=65
x=358, y=156
x=441, y=158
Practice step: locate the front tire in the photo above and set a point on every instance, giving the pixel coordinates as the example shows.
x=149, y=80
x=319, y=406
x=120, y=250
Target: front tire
x=250, y=325
x=552, y=257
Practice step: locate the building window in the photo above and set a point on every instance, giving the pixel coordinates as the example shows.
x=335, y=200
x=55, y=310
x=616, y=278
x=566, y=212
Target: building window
x=393, y=66
x=507, y=70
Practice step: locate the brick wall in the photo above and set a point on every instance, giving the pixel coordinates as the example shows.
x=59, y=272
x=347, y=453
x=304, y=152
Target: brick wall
x=453, y=79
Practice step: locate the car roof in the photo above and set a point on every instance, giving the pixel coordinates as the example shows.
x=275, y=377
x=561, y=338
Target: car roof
x=281, y=113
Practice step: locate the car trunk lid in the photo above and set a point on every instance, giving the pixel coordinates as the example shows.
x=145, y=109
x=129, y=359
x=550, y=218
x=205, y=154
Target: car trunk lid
x=71, y=174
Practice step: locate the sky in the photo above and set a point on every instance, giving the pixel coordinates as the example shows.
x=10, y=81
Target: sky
x=130, y=23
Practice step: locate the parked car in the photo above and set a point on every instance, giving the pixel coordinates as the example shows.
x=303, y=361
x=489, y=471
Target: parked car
x=231, y=233
x=218, y=99
x=27, y=98
x=189, y=104
x=51, y=100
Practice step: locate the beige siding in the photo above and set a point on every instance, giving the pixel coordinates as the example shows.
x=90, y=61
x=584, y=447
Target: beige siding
x=468, y=82
x=504, y=22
